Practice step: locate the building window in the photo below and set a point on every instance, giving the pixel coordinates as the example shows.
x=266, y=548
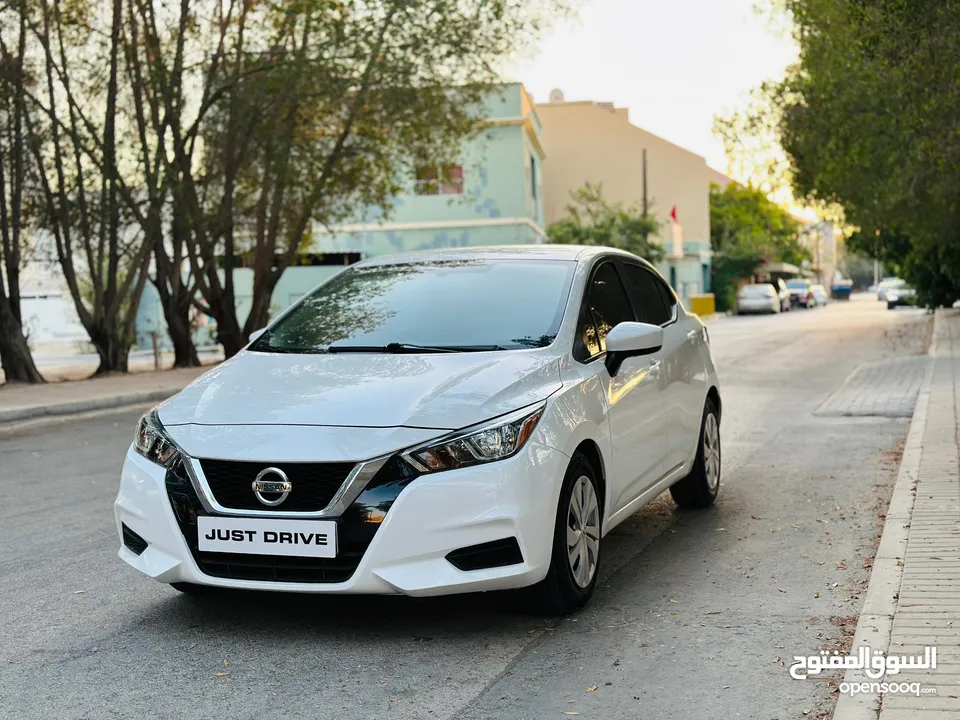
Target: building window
x=439, y=180
x=533, y=176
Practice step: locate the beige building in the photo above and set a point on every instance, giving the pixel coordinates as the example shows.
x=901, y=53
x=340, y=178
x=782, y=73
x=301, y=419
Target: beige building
x=596, y=143
x=715, y=177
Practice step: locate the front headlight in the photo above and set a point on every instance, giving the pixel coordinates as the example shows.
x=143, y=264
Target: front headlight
x=495, y=440
x=152, y=441
x=892, y=297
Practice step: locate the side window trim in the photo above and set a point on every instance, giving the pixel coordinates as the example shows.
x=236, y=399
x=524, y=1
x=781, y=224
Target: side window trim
x=672, y=297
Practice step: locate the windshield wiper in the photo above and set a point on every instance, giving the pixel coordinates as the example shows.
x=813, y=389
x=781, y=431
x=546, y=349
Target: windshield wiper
x=399, y=348
x=288, y=350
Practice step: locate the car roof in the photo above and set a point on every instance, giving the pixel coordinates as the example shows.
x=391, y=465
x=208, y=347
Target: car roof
x=568, y=253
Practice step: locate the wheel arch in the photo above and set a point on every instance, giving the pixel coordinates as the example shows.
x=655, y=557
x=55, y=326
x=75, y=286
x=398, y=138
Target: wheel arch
x=590, y=450
x=714, y=394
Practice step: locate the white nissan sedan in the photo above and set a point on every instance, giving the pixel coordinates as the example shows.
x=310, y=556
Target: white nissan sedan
x=432, y=423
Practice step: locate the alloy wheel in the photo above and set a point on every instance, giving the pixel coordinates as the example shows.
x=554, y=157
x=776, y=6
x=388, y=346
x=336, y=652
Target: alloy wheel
x=583, y=531
x=711, y=451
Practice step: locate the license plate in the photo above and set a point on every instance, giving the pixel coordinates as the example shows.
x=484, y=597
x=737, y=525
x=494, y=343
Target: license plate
x=261, y=536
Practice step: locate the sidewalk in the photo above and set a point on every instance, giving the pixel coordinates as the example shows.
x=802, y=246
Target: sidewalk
x=914, y=597
x=28, y=402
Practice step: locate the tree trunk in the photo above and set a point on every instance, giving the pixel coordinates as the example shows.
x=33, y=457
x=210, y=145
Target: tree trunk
x=229, y=333
x=178, y=326
x=262, y=295
x=114, y=353
x=15, y=358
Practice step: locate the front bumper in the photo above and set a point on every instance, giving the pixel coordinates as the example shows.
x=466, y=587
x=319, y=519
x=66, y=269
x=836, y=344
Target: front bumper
x=431, y=516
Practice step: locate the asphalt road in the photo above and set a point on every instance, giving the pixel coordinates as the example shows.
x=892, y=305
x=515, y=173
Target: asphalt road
x=697, y=614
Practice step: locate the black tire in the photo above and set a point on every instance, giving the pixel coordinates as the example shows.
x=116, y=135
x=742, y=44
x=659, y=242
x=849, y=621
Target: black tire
x=558, y=593
x=891, y=306
x=696, y=490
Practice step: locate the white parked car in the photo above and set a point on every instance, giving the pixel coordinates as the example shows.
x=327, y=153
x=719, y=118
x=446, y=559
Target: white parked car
x=759, y=298
x=820, y=294
x=426, y=424
x=886, y=286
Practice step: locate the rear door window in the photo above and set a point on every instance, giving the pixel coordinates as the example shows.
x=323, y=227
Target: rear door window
x=647, y=298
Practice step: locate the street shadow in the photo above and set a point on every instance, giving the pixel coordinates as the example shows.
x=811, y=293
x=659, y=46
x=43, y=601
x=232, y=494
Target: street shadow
x=263, y=614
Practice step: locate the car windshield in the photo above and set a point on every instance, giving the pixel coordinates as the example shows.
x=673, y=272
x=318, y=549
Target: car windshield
x=758, y=290
x=797, y=284
x=459, y=305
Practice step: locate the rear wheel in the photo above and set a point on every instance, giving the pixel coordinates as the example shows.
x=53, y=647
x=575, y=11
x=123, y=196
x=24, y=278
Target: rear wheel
x=699, y=489
x=575, y=560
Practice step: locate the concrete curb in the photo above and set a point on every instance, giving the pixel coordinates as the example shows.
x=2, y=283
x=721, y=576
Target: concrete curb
x=875, y=626
x=76, y=407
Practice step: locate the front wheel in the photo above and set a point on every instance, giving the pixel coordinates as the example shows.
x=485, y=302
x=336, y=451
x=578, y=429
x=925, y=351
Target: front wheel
x=575, y=559
x=699, y=489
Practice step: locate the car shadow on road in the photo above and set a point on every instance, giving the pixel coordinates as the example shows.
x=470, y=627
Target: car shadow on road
x=255, y=613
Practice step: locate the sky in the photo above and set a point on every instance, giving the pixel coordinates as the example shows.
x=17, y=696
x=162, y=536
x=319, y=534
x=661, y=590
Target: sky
x=674, y=63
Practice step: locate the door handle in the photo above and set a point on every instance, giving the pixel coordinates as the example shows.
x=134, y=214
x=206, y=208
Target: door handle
x=692, y=335
x=653, y=372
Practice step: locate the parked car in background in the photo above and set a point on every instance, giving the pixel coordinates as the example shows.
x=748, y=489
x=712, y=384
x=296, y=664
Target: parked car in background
x=820, y=294
x=841, y=289
x=888, y=284
x=758, y=298
x=901, y=295
x=801, y=292
x=784, y=292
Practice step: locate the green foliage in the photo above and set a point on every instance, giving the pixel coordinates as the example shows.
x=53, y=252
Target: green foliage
x=748, y=230
x=745, y=222
x=858, y=268
x=890, y=247
x=592, y=220
x=867, y=119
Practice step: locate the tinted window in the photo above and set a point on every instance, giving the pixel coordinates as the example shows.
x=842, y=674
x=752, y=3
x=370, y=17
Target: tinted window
x=462, y=303
x=608, y=302
x=797, y=284
x=645, y=295
x=669, y=299
x=586, y=344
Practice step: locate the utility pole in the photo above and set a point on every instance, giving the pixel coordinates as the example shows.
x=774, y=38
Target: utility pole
x=645, y=207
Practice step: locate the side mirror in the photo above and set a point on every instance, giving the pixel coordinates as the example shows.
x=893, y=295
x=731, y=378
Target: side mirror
x=257, y=333
x=630, y=339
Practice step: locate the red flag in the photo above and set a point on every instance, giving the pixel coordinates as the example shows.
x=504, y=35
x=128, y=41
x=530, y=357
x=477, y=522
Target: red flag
x=673, y=213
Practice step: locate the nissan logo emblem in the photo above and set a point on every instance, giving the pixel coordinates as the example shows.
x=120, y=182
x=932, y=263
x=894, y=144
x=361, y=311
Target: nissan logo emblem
x=272, y=481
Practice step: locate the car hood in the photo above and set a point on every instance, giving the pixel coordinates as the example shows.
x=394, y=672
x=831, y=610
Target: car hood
x=443, y=391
